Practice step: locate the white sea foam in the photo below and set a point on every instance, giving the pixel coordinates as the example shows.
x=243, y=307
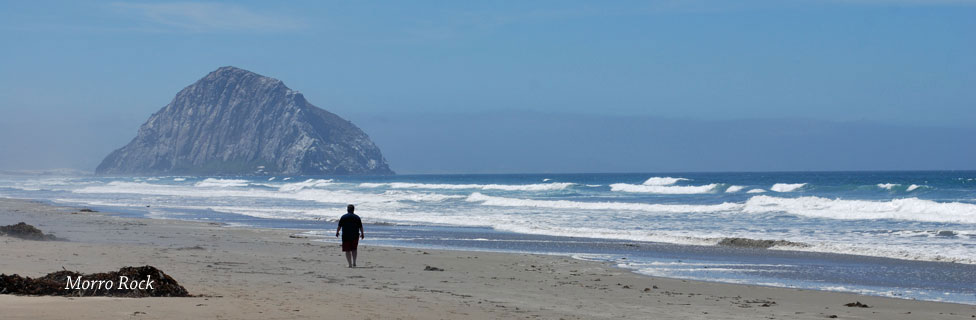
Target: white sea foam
x=756, y=191
x=638, y=188
x=389, y=198
x=887, y=186
x=912, y=209
x=26, y=188
x=310, y=183
x=662, y=181
x=221, y=183
x=179, y=179
x=327, y=214
x=706, y=264
x=787, y=187
x=566, y=204
x=551, y=225
x=865, y=291
x=734, y=188
x=506, y=187
x=913, y=187
x=419, y=197
x=913, y=251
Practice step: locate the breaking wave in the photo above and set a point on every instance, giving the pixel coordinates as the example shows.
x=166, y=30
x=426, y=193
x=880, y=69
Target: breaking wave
x=662, y=181
x=733, y=189
x=505, y=187
x=310, y=183
x=638, y=188
x=566, y=204
x=911, y=209
x=887, y=186
x=390, y=197
x=221, y=183
x=787, y=187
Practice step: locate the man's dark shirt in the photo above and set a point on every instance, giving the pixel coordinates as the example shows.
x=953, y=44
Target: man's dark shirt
x=350, y=225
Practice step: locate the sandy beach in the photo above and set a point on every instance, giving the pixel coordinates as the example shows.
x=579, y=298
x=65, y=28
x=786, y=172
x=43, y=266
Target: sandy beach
x=242, y=273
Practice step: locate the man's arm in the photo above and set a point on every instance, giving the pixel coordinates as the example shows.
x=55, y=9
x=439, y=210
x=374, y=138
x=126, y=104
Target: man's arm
x=337, y=230
x=362, y=233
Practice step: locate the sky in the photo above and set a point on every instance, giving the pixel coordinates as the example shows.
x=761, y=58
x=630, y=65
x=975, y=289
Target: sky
x=78, y=78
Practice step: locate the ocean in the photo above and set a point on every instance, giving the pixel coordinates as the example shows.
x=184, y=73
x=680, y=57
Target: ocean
x=900, y=234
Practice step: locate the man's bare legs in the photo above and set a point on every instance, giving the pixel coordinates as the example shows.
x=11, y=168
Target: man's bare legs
x=351, y=258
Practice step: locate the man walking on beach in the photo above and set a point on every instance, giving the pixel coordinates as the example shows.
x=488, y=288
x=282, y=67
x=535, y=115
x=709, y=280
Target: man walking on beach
x=352, y=231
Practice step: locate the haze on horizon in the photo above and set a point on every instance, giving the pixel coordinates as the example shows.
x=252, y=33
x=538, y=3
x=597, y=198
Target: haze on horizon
x=554, y=86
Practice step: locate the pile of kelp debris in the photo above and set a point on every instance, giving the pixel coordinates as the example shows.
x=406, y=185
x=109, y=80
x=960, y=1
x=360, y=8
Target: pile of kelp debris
x=25, y=231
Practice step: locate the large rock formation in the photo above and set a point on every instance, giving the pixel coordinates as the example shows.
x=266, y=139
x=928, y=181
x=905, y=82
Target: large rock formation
x=236, y=122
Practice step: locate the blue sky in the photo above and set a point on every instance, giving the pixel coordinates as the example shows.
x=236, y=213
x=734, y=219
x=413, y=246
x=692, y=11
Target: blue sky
x=88, y=73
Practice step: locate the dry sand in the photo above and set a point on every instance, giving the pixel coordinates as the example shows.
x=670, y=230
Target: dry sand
x=240, y=273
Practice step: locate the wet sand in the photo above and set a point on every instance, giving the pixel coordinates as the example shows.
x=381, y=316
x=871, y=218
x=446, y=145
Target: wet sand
x=242, y=273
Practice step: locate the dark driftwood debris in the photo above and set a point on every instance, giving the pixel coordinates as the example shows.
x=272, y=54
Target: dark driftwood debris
x=25, y=231
x=53, y=284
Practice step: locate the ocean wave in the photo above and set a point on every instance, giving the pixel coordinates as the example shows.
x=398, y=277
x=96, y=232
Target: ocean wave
x=25, y=188
x=637, y=188
x=553, y=225
x=505, y=187
x=390, y=198
x=734, y=189
x=756, y=191
x=887, y=186
x=894, y=186
x=221, y=183
x=913, y=252
x=420, y=197
x=662, y=181
x=787, y=187
x=911, y=209
x=310, y=183
x=566, y=204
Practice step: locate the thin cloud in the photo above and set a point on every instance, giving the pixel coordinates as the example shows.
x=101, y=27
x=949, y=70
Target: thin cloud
x=207, y=17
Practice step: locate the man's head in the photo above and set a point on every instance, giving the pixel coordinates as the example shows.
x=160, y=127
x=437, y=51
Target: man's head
x=350, y=208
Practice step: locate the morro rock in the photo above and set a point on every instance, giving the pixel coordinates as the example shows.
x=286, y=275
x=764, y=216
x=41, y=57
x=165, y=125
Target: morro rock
x=236, y=122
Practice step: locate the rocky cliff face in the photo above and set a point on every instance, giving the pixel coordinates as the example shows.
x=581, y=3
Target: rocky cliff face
x=236, y=122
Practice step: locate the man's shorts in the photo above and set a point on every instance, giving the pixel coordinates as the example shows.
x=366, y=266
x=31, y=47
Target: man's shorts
x=350, y=244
